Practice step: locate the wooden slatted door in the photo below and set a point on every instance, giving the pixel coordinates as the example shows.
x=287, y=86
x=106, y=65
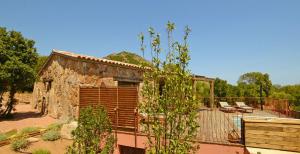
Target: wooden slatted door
x=108, y=99
x=127, y=103
x=124, y=99
x=88, y=96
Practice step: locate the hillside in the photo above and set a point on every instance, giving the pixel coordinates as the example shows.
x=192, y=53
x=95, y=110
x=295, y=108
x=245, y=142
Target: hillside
x=127, y=57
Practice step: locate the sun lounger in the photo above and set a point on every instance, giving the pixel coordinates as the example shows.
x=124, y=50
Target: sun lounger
x=243, y=107
x=224, y=106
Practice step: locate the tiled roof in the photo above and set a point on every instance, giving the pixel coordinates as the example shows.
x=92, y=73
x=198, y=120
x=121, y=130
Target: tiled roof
x=91, y=58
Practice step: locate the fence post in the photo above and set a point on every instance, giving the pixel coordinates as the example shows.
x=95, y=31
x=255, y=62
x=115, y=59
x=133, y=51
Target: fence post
x=243, y=131
x=261, y=99
x=212, y=94
x=286, y=107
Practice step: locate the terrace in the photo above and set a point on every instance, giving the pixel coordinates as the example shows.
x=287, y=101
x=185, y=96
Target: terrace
x=216, y=127
x=225, y=127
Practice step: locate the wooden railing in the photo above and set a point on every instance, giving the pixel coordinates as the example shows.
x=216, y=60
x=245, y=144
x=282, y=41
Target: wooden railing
x=280, y=107
x=219, y=127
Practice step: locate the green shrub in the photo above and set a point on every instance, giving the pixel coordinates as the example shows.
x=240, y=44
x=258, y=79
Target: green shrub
x=109, y=146
x=41, y=151
x=3, y=137
x=54, y=126
x=11, y=132
x=92, y=123
x=28, y=130
x=51, y=135
x=297, y=108
x=19, y=144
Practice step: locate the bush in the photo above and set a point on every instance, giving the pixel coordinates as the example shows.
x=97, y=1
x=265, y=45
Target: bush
x=51, y=135
x=11, y=132
x=28, y=130
x=41, y=151
x=3, y=137
x=109, y=146
x=297, y=108
x=54, y=126
x=19, y=144
x=93, y=122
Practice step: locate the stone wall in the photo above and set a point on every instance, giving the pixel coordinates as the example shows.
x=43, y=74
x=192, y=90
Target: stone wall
x=59, y=83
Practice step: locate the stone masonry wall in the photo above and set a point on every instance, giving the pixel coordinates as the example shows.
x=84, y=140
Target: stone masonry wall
x=67, y=74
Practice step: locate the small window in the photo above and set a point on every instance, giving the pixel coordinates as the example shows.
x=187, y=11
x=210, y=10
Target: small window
x=47, y=85
x=161, y=87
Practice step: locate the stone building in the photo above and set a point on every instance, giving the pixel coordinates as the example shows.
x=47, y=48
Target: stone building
x=56, y=91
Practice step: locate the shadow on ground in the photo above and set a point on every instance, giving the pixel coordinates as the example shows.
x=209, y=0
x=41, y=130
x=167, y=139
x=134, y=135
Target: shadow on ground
x=16, y=116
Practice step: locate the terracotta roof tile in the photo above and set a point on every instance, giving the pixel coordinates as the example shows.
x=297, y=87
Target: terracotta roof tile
x=71, y=54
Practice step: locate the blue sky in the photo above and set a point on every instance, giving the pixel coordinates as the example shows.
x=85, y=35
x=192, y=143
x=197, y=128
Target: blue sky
x=229, y=37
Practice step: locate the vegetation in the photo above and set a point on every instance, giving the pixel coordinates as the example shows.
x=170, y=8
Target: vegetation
x=18, y=57
x=169, y=101
x=94, y=128
x=51, y=135
x=54, y=126
x=249, y=86
x=40, y=62
x=290, y=92
x=255, y=83
x=41, y=151
x=4, y=136
x=221, y=88
x=11, y=132
x=19, y=144
x=202, y=88
x=109, y=146
x=28, y=130
x=202, y=91
x=128, y=57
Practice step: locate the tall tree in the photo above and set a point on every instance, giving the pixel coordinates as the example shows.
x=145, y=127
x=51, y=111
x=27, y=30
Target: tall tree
x=18, y=58
x=255, y=83
x=202, y=89
x=290, y=92
x=221, y=88
x=168, y=99
x=40, y=62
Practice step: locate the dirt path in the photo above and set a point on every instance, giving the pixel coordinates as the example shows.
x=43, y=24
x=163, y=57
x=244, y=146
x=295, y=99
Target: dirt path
x=25, y=116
